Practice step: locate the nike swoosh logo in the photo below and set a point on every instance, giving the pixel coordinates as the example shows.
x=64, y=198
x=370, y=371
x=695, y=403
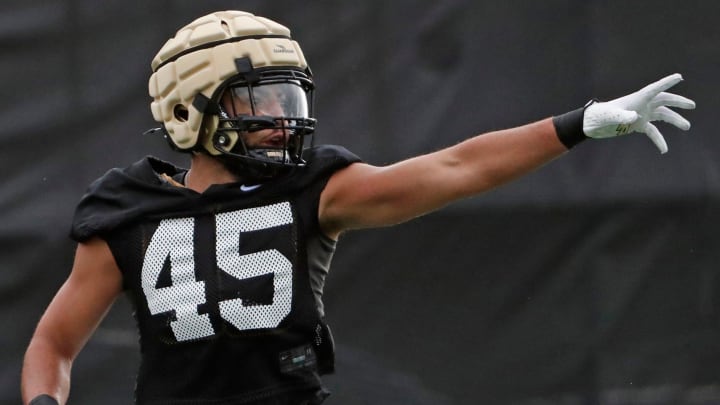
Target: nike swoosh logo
x=249, y=188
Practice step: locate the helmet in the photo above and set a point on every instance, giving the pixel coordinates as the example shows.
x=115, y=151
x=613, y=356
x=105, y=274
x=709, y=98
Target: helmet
x=246, y=59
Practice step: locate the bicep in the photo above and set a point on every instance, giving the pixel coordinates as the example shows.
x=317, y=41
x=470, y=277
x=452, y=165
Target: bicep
x=83, y=300
x=362, y=195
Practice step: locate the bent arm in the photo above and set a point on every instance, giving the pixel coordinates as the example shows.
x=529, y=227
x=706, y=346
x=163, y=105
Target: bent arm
x=69, y=321
x=362, y=195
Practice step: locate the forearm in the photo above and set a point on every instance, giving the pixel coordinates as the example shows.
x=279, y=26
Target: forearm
x=45, y=371
x=498, y=157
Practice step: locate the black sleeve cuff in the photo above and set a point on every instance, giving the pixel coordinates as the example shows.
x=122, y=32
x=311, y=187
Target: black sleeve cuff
x=43, y=399
x=569, y=127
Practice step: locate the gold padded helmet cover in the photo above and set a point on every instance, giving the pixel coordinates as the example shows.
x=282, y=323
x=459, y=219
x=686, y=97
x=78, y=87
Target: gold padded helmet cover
x=200, y=57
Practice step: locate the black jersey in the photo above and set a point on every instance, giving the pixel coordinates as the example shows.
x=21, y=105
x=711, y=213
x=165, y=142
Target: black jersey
x=226, y=284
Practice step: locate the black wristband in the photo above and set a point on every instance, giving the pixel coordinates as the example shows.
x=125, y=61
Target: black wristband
x=569, y=127
x=43, y=399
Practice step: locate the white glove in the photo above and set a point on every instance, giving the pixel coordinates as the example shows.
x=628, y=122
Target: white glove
x=635, y=113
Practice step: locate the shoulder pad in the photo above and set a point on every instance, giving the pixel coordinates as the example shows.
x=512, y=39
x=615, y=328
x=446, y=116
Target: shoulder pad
x=329, y=158
x=321, y=162
x=121, y=195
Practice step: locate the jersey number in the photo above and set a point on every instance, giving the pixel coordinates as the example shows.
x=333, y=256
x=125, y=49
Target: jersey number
x=173, y=241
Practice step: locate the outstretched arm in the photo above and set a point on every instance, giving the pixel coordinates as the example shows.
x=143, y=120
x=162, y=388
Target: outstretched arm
x=363, y=195
x=68, y=322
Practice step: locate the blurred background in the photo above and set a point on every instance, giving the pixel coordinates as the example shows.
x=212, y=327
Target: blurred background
x=591, y=281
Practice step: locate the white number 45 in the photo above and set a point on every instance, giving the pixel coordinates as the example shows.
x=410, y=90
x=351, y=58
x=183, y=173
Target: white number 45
x=173, y=240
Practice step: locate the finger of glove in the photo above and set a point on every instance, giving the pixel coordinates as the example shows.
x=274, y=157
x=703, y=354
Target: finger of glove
x=671, y=117
x=672, y=100
x=655, y=136
x=648, y=92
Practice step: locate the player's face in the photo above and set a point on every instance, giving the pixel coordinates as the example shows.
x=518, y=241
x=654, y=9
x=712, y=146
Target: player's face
x=236, y=102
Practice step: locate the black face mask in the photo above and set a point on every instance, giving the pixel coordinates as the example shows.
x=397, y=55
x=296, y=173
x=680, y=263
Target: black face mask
x=284, y=97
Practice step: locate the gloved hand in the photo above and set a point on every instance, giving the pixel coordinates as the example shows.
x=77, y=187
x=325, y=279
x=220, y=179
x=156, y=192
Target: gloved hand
x=635, y=113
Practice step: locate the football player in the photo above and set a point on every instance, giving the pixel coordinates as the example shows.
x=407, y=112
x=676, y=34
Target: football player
x=225, y=261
